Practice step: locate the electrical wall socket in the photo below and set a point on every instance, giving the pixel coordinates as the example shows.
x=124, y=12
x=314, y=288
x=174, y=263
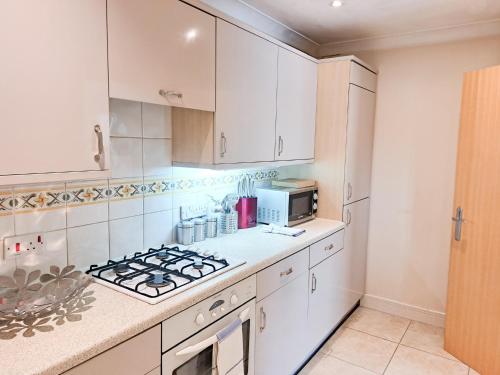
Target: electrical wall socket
x=190, y=212
x=21, y=245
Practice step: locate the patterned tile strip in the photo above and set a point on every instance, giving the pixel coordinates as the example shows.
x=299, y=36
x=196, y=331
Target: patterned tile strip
x=74, y=194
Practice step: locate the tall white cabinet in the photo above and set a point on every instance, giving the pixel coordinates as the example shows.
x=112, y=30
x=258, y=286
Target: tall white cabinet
x=54, y=90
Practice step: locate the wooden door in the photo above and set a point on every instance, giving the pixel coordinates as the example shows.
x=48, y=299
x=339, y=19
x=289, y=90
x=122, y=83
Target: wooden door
x=54, y=86
x=328, y=297
x=280, y=347
x=473, y=309
x=246, y=96
x=356, y=218
x=358, y=164
x=296, y=107
x=161, y=45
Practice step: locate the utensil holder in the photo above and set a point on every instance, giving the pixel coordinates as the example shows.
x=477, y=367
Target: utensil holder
x=247, y=212
x=229, y=222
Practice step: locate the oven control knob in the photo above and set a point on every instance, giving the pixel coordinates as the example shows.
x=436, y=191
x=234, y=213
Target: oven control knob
x=315, y=206
x=233, y=300
x=200, y=319
x=315, y=196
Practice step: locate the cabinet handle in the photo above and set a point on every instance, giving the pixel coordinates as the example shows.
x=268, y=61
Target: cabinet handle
x=263, y=319
x=314, y=283
x=280, y=145
x=348, y=217
x=329, y=247
x=349, y=191
x=99, y=157
x=287, y=272
x=223, y=144
x=166, y=94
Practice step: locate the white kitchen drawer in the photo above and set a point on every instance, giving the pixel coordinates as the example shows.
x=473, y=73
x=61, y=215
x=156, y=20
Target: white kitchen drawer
x=363, y=77
x=281, y=273
x=326, y=247
x=139, y=355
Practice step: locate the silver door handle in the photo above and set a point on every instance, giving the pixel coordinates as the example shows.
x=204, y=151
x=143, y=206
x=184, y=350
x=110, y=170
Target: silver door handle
x=329, y=247
x=459, y=220
x=287, y=272
x=280, y=145
x=223, y=144
x=166, y=94
x=263, y=319
x=314, y=283
x=99, y=157
x=348, y=217
x=349, y=191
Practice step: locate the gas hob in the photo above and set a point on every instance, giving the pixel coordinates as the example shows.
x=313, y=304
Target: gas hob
x=157, y=274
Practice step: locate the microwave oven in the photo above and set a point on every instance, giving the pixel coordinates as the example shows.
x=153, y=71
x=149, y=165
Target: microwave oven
x=286, y=206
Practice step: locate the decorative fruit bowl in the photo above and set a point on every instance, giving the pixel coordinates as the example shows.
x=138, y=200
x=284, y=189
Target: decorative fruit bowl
x=31, y=295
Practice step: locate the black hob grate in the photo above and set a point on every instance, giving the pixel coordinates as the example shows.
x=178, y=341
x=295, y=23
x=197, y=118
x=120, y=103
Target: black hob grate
x=157, y=272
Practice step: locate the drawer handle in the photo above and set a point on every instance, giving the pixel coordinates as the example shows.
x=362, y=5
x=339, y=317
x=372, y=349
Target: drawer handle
x=223, y=144
x=99, y=157
x=329, y=247
x=166, y=94
x=263, y=319
x=314, y=283
x=287, y=272
x=349, y=191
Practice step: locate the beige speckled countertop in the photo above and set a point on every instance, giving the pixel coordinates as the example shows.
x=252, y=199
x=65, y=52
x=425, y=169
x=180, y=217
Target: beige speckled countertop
x=116, y=317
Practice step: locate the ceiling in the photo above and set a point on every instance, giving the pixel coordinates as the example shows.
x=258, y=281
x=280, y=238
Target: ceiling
x=364, y=19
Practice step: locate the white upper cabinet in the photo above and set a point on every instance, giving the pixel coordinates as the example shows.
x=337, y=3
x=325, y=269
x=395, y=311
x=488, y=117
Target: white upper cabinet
x=54, y=89
x=358, y=163
x=162, y=52
x=296, y=107
x=246, y=96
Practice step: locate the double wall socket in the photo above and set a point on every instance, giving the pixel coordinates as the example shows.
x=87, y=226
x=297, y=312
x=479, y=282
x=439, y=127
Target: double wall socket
x=21, y=245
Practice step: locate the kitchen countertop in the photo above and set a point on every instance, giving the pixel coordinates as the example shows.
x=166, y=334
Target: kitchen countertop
x=116, y=317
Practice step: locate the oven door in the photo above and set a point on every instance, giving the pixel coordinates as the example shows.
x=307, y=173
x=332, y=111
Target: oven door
x=197, y=359
x=300, y=207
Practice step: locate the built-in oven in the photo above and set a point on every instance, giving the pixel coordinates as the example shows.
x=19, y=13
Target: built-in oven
x=193, y=354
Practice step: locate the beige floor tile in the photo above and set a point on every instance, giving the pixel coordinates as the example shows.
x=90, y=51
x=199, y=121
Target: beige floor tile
x=361, y=349
x=323, y=364
x=378, y=323
x=409, y=361
x=427, y=338
x=473, y=372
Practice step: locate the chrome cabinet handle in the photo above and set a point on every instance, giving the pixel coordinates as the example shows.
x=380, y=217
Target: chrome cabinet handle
x=348, y=217
x=223, y=144
x=329, y=247
x=314, y=283
x=280, y=145
x=263, y=319
x=287, y=272
x=349, y=191
x=459, y=219
x=99, y=157
x=166, y=94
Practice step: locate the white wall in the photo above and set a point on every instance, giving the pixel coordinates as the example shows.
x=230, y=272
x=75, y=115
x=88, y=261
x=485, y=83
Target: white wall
x=416, y=129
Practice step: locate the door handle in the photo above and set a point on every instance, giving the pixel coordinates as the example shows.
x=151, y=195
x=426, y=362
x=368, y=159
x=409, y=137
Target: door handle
x=329, y=247
x=349, y=191
x=223, y=144
x=287, y=272
x=314, y=283
x=459, y=220
x=280, y=145
x=348, y=217
x=263, y=319
x=166, y=94
x=99, y=157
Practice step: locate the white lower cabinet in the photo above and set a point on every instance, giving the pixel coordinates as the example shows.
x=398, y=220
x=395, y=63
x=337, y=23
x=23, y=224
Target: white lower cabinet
x=328, y=297
x=280, y=347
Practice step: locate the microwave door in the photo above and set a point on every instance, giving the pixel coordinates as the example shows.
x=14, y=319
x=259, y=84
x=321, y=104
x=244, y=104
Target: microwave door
x=300, y=206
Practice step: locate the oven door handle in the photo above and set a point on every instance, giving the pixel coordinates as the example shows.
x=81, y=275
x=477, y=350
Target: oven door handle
x=211, y=340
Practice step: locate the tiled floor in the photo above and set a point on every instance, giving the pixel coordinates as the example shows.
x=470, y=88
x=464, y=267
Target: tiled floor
x=372, y=342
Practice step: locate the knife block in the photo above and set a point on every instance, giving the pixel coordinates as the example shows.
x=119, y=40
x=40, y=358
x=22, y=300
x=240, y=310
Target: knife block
x=247, y=212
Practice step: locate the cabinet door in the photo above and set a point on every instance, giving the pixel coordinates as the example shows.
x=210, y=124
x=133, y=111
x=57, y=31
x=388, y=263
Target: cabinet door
x=296, y=107
x=356, y=217
x=280, y=347
x=246, y=96
x=328, y=297
x=54, y=86
x=359, y=144
x=161, y=45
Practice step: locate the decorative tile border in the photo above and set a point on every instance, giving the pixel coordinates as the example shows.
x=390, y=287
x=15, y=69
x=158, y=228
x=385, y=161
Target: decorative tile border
x=44, y=197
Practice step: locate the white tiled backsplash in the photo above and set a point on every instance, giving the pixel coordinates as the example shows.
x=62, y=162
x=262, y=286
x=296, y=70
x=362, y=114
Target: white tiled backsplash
x=87, y=222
